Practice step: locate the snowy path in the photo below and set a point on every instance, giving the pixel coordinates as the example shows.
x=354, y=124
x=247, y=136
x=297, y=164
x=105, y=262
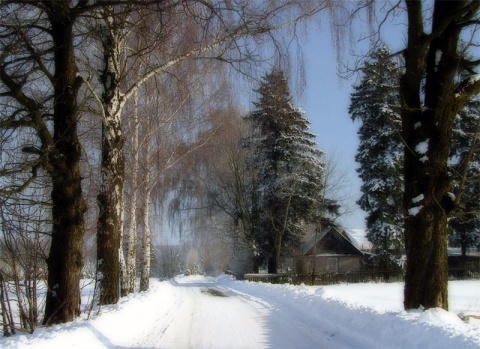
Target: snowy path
x=201, y=312
x=204, y=314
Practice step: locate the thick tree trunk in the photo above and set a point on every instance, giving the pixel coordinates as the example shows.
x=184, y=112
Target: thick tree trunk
x=110, y=197
x=256, y=264
x=65, y=258
x=427, y=131
x=272, y=265
x=256, y=259
x=109, y=227
x=463, y=246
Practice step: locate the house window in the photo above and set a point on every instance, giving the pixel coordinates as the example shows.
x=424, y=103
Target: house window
x=333, y=265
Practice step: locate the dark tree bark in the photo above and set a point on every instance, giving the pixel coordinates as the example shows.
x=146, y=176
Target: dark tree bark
x=431, y=99
x=65, y=259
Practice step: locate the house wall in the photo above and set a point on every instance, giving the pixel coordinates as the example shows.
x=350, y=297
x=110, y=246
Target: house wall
x=327, y=264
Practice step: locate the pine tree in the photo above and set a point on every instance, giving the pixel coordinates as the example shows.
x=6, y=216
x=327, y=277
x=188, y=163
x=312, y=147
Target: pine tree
x=375, y=103
x=289, y=168
x=465, y=164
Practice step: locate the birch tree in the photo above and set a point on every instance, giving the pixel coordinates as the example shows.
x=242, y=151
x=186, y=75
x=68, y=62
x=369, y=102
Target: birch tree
x=173, y=129
x=110, y=197
x=208, y=31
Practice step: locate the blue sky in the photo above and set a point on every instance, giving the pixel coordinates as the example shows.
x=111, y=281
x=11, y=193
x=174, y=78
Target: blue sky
x=326, y=102
x=327, y=98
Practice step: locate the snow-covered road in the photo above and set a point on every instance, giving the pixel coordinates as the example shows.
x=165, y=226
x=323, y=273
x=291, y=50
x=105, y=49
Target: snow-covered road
x=203, y=312
x=204, y=315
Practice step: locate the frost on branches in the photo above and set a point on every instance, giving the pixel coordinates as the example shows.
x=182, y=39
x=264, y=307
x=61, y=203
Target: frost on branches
x=465, y=163
x=375, y=103
x=289, y=168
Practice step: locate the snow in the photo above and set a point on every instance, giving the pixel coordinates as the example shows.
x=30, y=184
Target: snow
x=438, y=58
x=414, y=210
x=358, y=237
x=423, y=159
x=422, y=147
x=418, y=198
x=206, y=312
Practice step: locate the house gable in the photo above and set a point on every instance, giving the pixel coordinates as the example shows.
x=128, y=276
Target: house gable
x=330, y=241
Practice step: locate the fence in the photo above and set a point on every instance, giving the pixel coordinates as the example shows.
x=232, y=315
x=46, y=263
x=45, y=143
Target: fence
x=349, y=277
x=328, y=278
x=464, y=273
x=271, y=278
x=352, y=277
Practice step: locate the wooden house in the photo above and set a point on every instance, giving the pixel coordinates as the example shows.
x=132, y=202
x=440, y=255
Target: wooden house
x=328, y=251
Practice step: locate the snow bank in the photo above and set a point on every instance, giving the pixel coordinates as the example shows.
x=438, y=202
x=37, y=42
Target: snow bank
x=372, y=316
x=182, y=313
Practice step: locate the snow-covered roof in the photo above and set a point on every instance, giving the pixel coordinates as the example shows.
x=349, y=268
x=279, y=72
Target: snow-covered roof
x=315, y=237
x=358, y=237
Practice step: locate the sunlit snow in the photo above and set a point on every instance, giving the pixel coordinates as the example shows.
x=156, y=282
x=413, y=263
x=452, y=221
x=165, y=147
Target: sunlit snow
x=205, y=312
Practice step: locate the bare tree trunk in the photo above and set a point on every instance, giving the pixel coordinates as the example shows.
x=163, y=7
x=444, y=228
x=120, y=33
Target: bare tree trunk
x=128, y=283
x=146, y=244
x=427, y=130
x=110, y=197
x=6, y=314
x=65, y=259
x=145, y=224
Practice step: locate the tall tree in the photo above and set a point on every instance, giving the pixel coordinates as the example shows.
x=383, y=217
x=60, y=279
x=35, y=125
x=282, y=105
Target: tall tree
x=208, y=31
x=465, y=163
x=112, y=169
x=289, y=168
x=432, y=96
x=232, y=182
x=376, y=103
x=40, y=85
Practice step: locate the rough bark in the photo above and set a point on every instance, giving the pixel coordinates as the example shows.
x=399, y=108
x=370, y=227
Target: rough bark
x=68, y=206
x=128, y=281
x=110, y=197
x=427, y=131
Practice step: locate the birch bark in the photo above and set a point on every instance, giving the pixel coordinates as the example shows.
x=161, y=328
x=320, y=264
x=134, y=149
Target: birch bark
x=128, y=282
x=110, y=197
x=145, y=224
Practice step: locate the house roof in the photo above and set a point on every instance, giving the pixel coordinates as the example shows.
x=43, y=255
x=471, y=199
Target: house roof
x=330, y=241
x=358, y=237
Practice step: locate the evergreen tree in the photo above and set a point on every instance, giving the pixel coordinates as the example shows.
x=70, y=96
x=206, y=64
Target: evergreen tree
x=289, y=168
x=465, y=164
x=375, y=103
